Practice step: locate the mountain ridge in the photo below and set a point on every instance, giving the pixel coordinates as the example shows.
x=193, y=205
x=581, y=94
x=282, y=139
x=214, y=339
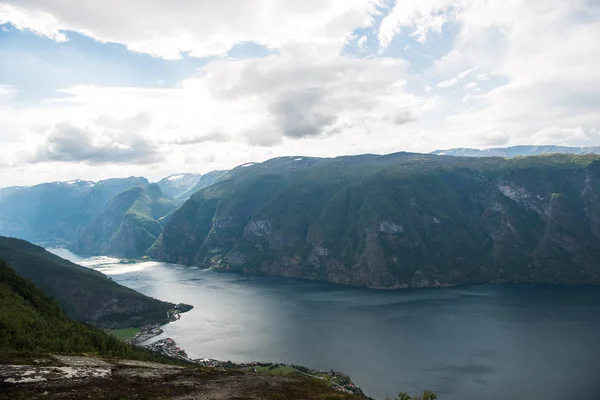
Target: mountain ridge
x=397, y=220
x=517, y=151
x=83, y=294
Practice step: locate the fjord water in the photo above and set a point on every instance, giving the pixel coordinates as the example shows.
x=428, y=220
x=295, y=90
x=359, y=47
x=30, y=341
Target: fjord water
x=476, y=342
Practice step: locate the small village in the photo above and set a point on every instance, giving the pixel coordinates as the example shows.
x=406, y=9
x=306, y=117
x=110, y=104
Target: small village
x=169, y=348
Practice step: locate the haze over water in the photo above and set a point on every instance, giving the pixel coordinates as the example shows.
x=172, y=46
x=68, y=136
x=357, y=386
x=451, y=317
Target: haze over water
x=475, y=342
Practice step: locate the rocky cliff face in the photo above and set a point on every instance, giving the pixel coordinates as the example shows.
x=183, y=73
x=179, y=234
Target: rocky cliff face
x=401, y=220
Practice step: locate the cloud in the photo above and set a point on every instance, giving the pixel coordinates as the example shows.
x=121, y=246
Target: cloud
x=35, y=20
x=530, y=77
x=521, y=82
x=422, y=17
x=95, y=145
x=465, y=73
x=447, y=83
x=302, y=94
x=362, y=41
x=403, y=117
x=216, y=137
x=7, y=92
x=302, y=113
x=199, y=27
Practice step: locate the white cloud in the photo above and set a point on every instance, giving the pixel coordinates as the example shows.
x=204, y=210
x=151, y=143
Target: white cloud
x=465, y=73
x=421, y=16
x=362, y=41
x=40, y=22
x=535, y=69
x=447, y=83
x=528, y=73
x=201, y=27
x=7, y=92
x=296, y=102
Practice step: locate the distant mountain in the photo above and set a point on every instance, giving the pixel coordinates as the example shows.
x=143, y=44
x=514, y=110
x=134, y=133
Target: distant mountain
x=128, y=225
x=53, y=212
x=399, y=220
x=83, y=294
x=175, y=185
x=516, y=151
x=205, y=181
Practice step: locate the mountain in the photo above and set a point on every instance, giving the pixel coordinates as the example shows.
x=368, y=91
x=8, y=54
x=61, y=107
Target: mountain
x=128, y=225
x=53, y=212
x=518, y=151
x=399, y=220
x=33, y=322
x=84, y=294
x=175, y=185
x=205, y=181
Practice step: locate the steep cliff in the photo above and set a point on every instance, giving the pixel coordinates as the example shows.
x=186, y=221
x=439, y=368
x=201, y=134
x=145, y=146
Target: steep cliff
x=400, y=220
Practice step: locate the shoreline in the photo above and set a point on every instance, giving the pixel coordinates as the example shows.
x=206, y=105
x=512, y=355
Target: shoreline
x=169, y=347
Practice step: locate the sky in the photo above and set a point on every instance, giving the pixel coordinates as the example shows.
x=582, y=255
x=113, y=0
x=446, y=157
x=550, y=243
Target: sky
x=93, y=90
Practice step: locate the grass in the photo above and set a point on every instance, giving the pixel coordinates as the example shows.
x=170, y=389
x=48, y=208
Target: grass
x=124, y=333
x=280, y=370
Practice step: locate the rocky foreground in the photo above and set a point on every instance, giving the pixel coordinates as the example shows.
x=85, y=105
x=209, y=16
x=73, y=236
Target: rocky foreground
x=70, y=377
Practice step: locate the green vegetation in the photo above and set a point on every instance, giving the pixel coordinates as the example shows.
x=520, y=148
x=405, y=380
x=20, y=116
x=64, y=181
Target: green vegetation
x=427, y=395
x=124, y=333
x=278, y=370
x=32, y=323
x=83, y=294
x=128, y=225
x=400, y=220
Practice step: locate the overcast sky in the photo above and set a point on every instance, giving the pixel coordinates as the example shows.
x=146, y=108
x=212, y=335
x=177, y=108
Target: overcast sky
x=94, y=89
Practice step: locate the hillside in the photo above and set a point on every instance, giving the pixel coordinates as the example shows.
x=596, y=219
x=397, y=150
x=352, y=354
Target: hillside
x=84, y=294
x=127, y=226
x=400, y=220
x=41, y=356
x=176, y=184
x=205, y=181
x=32, y=322
x=518, y=151
x=52, y=212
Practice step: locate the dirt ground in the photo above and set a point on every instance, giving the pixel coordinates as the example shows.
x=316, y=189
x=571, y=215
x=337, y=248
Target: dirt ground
x=90, y=378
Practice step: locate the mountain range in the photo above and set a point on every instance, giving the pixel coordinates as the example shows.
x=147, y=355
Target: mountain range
x=118, y=216
x=518, y=151
x=397, y=220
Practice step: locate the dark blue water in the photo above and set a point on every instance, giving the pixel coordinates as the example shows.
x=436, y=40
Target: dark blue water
x=479, y=342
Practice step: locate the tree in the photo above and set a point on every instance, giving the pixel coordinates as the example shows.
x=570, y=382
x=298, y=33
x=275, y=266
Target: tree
x=427, y=395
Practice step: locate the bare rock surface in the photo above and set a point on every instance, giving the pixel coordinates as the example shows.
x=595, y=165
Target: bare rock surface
x=70, y=377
